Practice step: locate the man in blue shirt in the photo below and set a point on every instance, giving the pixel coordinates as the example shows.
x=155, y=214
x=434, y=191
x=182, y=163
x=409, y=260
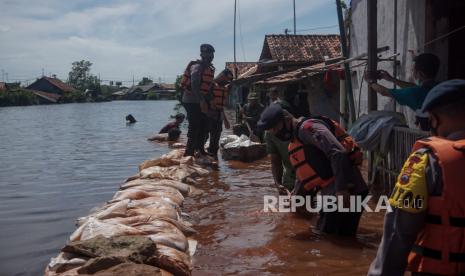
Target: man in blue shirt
x=424, y=71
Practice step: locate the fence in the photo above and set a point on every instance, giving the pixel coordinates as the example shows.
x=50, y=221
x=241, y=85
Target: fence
x=388, y=167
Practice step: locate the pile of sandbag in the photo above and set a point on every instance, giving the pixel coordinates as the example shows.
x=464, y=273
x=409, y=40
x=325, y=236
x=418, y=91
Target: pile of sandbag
x=141, y=230
x=235, y=147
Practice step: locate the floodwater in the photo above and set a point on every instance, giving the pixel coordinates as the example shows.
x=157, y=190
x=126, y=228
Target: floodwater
x=57, y=162
x=237, y=238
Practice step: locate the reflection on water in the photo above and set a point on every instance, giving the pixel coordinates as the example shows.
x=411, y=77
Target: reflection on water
x=59, y=161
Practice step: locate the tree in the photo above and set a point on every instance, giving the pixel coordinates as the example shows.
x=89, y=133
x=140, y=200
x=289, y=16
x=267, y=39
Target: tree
x=177, y=86
x=80, y=77
x=145, y=81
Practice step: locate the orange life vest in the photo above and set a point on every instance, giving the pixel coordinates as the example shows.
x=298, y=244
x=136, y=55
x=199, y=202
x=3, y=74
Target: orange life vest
x=220, y=95
x=311, y=165
x=440, y=246
x=206, y=79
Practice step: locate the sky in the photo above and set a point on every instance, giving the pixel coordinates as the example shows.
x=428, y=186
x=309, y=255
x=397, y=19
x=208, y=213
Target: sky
x=156, y=39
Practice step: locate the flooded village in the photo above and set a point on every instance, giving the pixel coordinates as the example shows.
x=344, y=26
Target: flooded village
x=333, y=147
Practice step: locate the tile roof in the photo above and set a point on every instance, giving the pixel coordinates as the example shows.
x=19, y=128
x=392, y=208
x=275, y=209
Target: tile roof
x=242, y=67
x=300, y=48
x=61, y=85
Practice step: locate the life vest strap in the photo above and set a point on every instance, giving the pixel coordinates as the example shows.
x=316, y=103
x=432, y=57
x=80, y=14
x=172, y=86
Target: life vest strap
x=436, y=254
x=296, y=149
x=453, y=221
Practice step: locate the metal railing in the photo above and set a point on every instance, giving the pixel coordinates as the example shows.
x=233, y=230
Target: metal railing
x=388, y=167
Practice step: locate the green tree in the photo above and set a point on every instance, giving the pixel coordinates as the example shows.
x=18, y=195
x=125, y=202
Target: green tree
x=178, y=88
x=145, y=81
x=81, y=78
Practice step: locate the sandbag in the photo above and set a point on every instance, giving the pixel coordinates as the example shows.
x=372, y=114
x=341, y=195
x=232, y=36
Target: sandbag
x=172, y=260
x=94, y=227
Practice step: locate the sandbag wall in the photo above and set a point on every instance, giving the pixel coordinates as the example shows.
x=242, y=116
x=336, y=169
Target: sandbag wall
x=141, y=231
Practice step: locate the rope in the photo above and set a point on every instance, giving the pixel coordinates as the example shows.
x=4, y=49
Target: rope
x=444, y=36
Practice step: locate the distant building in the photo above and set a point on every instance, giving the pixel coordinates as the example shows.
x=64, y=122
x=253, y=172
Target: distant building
x=51, y=85
x=2, y=86
x=140, y=92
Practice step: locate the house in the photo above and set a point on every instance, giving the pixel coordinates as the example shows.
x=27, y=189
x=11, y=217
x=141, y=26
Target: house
x=407, y=29
x=51, y=85
x=298, y=66
x=236, y=89
x=422, y=26
x=2, y=86
x=140, y=92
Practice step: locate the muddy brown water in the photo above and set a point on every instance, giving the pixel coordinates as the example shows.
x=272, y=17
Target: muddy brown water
x=237, y=238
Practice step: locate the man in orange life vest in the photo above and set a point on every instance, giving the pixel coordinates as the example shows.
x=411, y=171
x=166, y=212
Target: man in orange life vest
x=425, y=232
x=218, y=98
x=324, y=157
x=196, y=82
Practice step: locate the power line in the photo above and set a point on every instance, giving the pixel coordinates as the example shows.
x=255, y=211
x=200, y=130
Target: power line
x=318, y=28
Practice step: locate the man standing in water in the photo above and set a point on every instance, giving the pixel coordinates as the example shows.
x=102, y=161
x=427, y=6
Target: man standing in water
x=425, y=231
x=251, y=113
x=215, y=114
x=196, y=82
x=324, y=157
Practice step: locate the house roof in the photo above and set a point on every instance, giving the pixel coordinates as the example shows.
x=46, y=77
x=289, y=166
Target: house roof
x=300, y=48
x=242, y=67
x=60, y=85
x=167, y=86
x=51, y=97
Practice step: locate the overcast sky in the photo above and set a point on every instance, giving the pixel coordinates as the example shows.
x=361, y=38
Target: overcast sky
x=142, y=38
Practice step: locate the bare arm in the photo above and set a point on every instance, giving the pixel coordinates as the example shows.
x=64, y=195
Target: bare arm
x=402, y=84
x=380, y=89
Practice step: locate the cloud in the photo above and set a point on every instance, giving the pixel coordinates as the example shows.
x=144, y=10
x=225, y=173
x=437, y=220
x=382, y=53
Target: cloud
x=122, y=38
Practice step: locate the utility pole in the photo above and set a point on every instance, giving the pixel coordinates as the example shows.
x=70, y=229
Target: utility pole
x=372, y=64
x=43, y=74
x=345, y=53
x=294, y=19
x=3, y=75
x=132, y=79
x=372, y=51
x=235, y=63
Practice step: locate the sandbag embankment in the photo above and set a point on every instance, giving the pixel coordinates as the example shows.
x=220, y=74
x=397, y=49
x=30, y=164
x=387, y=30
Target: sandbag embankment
x=141, y=230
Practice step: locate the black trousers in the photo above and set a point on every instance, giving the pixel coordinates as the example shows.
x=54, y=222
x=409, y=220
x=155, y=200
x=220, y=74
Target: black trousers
x=196, y=130
x=215, y=127
x=340, y=223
